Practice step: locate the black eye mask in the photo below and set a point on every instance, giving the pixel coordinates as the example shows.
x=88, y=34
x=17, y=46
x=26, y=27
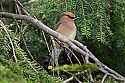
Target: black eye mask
x=70, y=17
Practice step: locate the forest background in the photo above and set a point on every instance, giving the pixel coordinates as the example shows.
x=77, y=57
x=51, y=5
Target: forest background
x=101, y=27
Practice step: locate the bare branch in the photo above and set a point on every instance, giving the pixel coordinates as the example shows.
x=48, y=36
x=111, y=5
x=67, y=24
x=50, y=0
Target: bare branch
x=104, y=78
x=67, y=80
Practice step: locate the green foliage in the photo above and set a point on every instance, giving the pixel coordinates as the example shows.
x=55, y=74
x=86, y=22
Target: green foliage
x=101, y=25
x=7, y=76
x=76, y=68
x=50, y=10
x=118, y=27
x=24, y=70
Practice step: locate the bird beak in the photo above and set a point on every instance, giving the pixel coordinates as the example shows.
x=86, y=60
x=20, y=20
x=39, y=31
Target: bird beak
x=76, y=18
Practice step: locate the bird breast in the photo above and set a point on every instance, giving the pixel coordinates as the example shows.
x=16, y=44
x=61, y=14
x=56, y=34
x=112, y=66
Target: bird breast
x=68, y=29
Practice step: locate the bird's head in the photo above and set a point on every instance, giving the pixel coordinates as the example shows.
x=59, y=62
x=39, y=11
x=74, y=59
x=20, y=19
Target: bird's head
x=68, y=16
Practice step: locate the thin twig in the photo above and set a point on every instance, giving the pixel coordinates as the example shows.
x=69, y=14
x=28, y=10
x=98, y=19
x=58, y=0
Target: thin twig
x=89, y=72
x=18, y=8
x=77, y=80
x=103, y=67
x=104, y=78
x=47, y=45
x=70, y=58
x=5, y=29
x=83, y=72
x=73, y=55
x=19, y=11
x=68, y=80
x=21, y=7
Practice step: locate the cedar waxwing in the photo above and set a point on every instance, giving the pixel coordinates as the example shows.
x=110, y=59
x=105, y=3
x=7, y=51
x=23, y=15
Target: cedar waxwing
x=65, y=26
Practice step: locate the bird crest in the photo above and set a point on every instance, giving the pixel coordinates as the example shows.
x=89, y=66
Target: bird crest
x=69, y=14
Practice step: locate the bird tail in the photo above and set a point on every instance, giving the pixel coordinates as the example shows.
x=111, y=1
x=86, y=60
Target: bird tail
x=55, y=53
x=55, y=56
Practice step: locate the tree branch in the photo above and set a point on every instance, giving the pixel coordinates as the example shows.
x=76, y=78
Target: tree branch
x=77, y=46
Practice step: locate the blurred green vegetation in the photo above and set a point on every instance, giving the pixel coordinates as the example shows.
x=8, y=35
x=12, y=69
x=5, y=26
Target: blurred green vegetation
x=100, y=26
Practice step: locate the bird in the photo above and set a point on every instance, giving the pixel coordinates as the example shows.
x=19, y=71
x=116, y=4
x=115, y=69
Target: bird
x=66, y=26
